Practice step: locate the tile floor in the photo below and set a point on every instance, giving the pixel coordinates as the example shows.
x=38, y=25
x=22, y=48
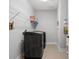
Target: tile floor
x=51, y=52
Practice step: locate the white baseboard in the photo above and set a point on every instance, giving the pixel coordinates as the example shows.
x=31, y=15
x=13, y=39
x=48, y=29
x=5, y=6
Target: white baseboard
x=54, y=43
x=18, y=57
x=51, y=43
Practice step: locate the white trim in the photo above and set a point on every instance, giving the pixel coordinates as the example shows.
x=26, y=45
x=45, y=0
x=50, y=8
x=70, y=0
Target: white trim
x=18, y=57
x=51, y=43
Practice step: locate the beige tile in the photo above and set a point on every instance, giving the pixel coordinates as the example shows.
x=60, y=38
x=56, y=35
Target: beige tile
x=51, y=52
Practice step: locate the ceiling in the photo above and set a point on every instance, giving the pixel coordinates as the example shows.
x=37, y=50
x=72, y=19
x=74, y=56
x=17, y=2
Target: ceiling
x=41, y=5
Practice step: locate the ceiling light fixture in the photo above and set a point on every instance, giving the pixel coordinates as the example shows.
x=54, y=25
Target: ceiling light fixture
x=44, y=0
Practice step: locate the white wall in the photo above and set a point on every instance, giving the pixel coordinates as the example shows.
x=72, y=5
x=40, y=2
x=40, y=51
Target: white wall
x=21, y=23
x=47, y=21
x=62, y=14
